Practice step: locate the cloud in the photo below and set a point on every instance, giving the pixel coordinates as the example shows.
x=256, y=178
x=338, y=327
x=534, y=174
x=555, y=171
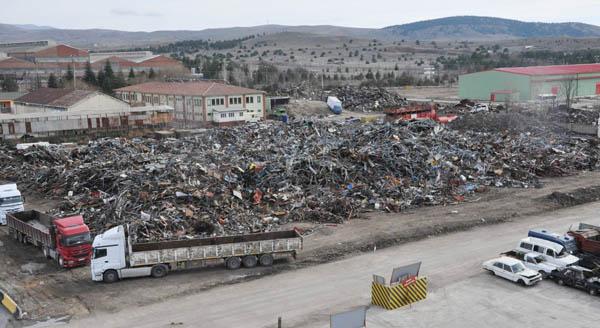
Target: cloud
x=128, y=12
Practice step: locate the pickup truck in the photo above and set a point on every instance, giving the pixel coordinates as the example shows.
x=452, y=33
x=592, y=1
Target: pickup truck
x=578, y=277
x=534, y=262
x=513, y=270
x=553, y=253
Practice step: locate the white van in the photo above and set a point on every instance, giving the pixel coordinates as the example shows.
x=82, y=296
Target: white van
x=552, y=252
x=10, y=201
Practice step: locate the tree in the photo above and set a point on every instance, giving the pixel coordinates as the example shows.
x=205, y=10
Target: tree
x=69, y=76
x=151, y=74
x=100, y=78
x=52, y=83
x=569, y=89
x=131, y=74
x=119, y=81
x=89, y=75
x=9, y=84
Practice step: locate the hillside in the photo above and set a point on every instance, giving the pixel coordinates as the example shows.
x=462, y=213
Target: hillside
x=477, y=28
x=450, y=28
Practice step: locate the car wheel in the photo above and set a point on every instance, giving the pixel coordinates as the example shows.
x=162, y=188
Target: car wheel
x=593, y=291
x=521, y=282
x=561, y=282
x=159, y=271
x=110, y=276
x=233, y=263
x=544, y=274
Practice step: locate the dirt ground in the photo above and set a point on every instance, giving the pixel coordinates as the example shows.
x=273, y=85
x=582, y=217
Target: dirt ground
x=45, y=291
x=434, y=93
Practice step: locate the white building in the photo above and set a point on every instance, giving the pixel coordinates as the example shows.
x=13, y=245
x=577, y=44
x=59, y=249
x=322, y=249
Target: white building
x=199, y=103
x=46, y=100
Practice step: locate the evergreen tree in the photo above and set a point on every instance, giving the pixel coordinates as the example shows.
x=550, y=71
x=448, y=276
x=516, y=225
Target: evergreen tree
x=151, y=74
x=52, y=83
x=100, y=78
x=9, y=84
x=69, y=76
x=89, y=75
x=119, y=81
x=131, y=73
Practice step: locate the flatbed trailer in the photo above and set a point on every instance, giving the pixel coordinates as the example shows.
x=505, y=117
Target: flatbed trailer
x=116, y=257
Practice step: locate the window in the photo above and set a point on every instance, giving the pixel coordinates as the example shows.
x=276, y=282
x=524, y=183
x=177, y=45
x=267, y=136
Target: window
x=507, y=268
x=527, y=246
x=217, y=101
x=241, y=113
x=258, y=99
x=231, y=114
x=223, y=115
x=539, y=249
x=249, y=100
x=499, y=265
x=550, y=252
x=235, y=100
x=99, y=252
x=197, y=102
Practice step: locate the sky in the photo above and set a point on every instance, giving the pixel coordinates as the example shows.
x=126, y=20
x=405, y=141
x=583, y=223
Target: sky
x=152, y=15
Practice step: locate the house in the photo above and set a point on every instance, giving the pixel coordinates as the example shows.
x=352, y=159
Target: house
x=200, y=103
x=531, y=83
x=45, y=100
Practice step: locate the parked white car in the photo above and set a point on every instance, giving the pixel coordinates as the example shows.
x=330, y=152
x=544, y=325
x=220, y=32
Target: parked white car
x=534, y=262
x=513, y=270
x=553, y=253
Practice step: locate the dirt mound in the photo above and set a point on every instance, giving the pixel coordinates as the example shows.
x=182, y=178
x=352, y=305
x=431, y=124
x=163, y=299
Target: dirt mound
x=575, y=197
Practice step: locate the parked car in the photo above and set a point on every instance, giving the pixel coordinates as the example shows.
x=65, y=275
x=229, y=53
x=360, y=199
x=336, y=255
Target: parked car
x=480, y=108
x=513, y=270
x=552, y=252
x=578, y=277
x=534, y=262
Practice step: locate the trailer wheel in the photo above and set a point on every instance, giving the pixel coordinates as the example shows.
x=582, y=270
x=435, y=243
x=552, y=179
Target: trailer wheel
x=159, y=271
x=110, y=276
x=46, y=252
x=249, y=261
x=266, y=260
x=233, y=263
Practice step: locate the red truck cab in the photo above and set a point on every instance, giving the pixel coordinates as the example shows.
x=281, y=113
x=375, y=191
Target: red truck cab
x=73, y=241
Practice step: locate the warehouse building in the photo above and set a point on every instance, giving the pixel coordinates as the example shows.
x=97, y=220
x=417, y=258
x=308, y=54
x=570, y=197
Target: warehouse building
x=45, y=100
x=200, y=103
x=531, y=83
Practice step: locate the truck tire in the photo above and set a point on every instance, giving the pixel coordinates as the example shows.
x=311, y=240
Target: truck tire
x=61, y=261
x=46, y=252
x=233, y=263
x=266, y=260
x=110, y=276
x=249, y=261
x=159, y=271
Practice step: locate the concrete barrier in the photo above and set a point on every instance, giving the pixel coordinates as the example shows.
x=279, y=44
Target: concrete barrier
x=10, y=305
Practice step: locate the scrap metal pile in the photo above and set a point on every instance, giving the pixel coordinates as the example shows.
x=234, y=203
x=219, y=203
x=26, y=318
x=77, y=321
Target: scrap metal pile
x=366, y=99
x=254, y=177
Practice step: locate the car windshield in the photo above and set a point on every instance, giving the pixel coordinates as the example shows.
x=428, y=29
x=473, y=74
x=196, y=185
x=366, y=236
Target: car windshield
x=82, y=238
x=11, y=200
x=562, y=253
x=518, y=267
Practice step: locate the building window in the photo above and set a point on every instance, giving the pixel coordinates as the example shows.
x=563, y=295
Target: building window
x=249, y=100
x=231, y=114
x=223, y=115
x=197, y=102
x=241, y=113
x=258, y=99
x=217, y=101
x=235, y=100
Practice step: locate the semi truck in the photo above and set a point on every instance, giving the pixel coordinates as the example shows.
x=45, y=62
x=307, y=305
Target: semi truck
x=10, y=201
x=115, y=256
x=66, y=240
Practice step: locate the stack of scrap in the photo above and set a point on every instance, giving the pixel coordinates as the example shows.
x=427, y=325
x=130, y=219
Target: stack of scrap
x=253, y=178
x=366, y=99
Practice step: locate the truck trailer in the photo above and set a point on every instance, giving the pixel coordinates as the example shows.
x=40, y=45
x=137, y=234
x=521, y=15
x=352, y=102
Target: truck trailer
x=115, y=256
x=66, y=240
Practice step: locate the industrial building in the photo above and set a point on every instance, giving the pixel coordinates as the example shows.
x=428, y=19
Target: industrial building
x=200, y=103
x=46, y=100
x=531, y=83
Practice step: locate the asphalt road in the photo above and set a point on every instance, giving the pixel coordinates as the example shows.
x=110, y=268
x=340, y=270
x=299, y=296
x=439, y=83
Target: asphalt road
x=461, y=293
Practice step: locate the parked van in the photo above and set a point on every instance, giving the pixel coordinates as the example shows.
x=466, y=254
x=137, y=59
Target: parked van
x=568, y=242
x=10, y=201
x=552, y=252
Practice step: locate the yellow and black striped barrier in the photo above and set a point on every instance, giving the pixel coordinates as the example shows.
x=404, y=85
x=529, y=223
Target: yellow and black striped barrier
x=10, y=305
x=397, y=296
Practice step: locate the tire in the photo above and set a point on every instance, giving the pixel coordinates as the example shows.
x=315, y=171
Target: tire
x=46, y=252
x=159, y=271
x=249, y=261
x=110, y=276
x=266, y=260
x=560, y=282
x=544, y=274
x=233, y=263
x=521, y=282
x=593, y=291
x=61, y=261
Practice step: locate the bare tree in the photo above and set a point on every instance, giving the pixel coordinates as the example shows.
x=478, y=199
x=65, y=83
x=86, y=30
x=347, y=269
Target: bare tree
x=569, y=89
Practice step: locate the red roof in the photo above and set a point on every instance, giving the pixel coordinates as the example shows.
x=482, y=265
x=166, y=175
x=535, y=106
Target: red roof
x=63, y=98
x=196, y=88
x=61, y=50
x=552, y=70
x=15, y=63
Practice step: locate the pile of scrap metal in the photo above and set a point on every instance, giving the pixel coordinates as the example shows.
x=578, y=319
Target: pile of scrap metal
x=417, y=112
x=366, y=99
x=254, y=177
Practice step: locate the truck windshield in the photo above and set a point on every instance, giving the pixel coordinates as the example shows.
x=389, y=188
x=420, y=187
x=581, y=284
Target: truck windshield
x=83, y=238
x=11, y=200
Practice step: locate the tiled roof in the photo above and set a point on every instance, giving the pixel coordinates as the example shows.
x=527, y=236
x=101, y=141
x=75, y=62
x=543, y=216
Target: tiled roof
x=552, y=70
x=10, y=62
x=63, y=98
x=61, y=50
x=196, y=88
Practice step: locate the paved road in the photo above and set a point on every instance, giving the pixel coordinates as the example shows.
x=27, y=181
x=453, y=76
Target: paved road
x=4, y=317
x=461, y=294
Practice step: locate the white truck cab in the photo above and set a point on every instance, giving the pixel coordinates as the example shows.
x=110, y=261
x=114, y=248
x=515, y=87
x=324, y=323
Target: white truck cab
x=553, y=253
x=11, y=201
x=108, y=253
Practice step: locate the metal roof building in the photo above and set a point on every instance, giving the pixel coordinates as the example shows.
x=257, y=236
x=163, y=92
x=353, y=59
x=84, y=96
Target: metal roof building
x=531, y=83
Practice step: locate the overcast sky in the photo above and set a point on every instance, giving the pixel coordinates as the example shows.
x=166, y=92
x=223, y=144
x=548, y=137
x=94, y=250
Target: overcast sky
x=151, y=15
